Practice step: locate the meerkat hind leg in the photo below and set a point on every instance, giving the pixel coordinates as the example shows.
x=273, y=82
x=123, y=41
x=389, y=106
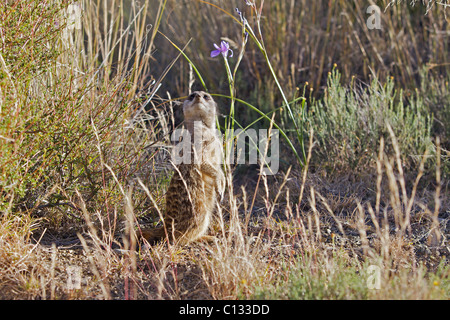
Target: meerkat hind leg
x=207, y=238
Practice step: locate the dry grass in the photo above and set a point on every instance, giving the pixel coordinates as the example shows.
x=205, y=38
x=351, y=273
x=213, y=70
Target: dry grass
x=317, y=247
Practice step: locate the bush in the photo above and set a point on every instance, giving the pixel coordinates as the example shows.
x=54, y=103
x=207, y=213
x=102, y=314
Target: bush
x=349, y=123
x=64, y=114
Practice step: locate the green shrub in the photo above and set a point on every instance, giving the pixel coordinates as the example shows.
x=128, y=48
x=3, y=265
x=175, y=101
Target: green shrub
x=339, y=277
x=435, y=92
x=330, y=278
x=28, y=51
x=349, y=123
x=63, y=114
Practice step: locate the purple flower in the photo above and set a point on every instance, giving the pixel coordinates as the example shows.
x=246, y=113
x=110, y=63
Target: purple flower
x=223, y=49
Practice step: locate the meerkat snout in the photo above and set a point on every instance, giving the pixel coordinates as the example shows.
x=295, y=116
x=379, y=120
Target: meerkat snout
x=198, y=95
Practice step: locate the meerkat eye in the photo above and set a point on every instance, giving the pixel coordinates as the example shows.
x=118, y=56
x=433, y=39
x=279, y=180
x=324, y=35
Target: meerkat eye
x=206, y=97
x=191, y=97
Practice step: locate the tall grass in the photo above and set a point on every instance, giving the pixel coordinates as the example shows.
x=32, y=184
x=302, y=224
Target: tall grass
x=70, y=86
x=332, y=265
x=322, y=251
x=64, y=120
x=304, y=40
x=293, y=45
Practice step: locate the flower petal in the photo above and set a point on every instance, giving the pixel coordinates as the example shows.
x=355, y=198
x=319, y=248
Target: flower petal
x=223, y=49
x=225, y=46
x=215, y=53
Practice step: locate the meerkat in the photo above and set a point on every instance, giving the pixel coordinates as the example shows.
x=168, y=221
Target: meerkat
x=195, y=187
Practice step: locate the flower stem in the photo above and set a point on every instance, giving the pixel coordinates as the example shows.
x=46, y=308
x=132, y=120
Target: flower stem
x=230, y=119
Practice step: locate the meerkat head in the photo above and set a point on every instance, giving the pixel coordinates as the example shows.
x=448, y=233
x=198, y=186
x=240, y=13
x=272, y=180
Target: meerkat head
x=200, y=106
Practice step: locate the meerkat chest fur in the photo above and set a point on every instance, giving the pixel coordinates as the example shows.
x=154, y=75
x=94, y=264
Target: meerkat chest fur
x=200, y=115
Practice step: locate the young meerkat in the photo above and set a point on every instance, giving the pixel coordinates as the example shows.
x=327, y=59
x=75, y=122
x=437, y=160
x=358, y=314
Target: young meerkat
x=195, y=186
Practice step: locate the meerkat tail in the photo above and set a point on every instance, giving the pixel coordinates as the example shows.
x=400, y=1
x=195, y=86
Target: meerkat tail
x=154, y=235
